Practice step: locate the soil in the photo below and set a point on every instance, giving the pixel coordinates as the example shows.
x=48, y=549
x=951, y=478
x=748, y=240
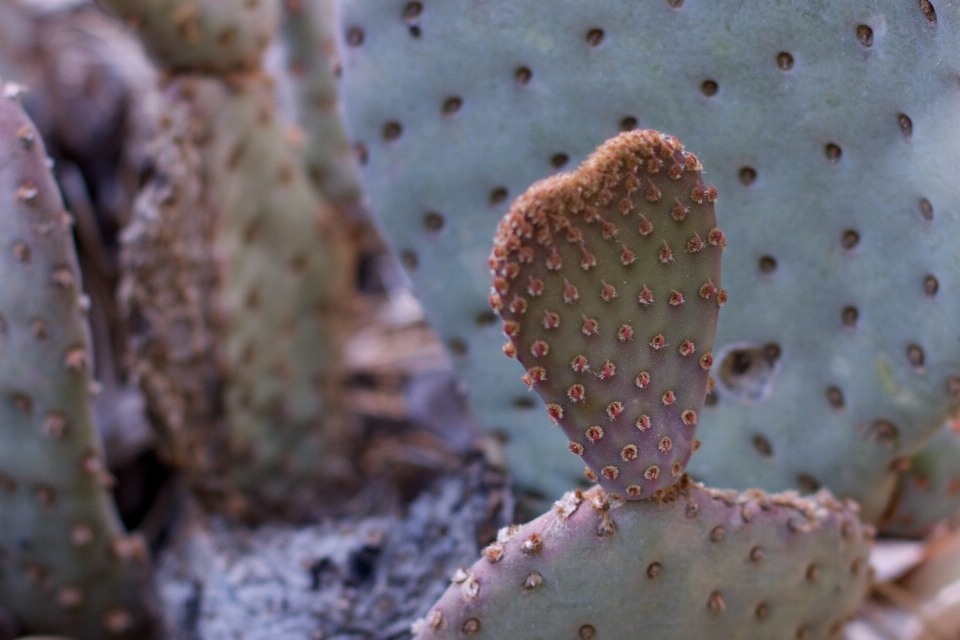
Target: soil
x=345, y=579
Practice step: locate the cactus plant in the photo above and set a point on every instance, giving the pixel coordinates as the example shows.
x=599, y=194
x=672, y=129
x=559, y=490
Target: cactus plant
x=608, y=280
x=244, y=304
x=928, y=493
x=218, y=36
x=678, y=560
x=308, y=30
x=833, y=362
x=67, y=566
x=701, y=564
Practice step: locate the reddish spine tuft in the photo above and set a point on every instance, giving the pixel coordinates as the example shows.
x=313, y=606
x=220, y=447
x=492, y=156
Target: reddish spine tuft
x=570, y=292
x=643, y=380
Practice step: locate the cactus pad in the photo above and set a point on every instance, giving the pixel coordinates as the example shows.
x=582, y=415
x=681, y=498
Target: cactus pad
x=203, y=35
x=608, y=281
x=309, y=34
x=65, y=564
x=928, y=493
x=237, y=273
x=828, y=130
x=237, y=280
x=701, y=563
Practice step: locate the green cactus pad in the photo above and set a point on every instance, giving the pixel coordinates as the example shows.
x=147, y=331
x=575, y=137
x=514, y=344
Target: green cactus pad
x=608, y=280
x=65, y=563
x=203, y=35
x=701, y=563
x=286, y=281
x=308, y=31
x=830, y=130
x=928, y=493
x=236, y=281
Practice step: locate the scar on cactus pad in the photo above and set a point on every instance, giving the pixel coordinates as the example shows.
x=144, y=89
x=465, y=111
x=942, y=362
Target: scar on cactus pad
x=608, y=281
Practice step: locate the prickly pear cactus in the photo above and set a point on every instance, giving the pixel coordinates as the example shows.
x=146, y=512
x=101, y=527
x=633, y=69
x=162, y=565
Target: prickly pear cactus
x=66, y=565
x=608, y=280
x=635, y=222
x=829, y=128
x=238, y=281
x=701, y=563
x=308, y=31
x=234, y=271
x=284, y=289
x=928, y=493
x=203, y=35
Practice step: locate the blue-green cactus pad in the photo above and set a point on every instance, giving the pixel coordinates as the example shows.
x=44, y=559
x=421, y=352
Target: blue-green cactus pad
x=831, y=132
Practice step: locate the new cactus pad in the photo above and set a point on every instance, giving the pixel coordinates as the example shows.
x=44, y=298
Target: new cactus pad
x=829, y=129
x=608, y=280
x=701, y=563
x=66, y=565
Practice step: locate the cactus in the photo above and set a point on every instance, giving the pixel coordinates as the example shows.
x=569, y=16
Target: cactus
x=834, y=362
x=928, y=493
x=691, y=561
x=282, y=257
x=701, y=563
x=608, y=280
x=308, y=33
x=178, y=386
x=216, y=36
x=236, y=291
x=67, y=566
x=243, y=304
